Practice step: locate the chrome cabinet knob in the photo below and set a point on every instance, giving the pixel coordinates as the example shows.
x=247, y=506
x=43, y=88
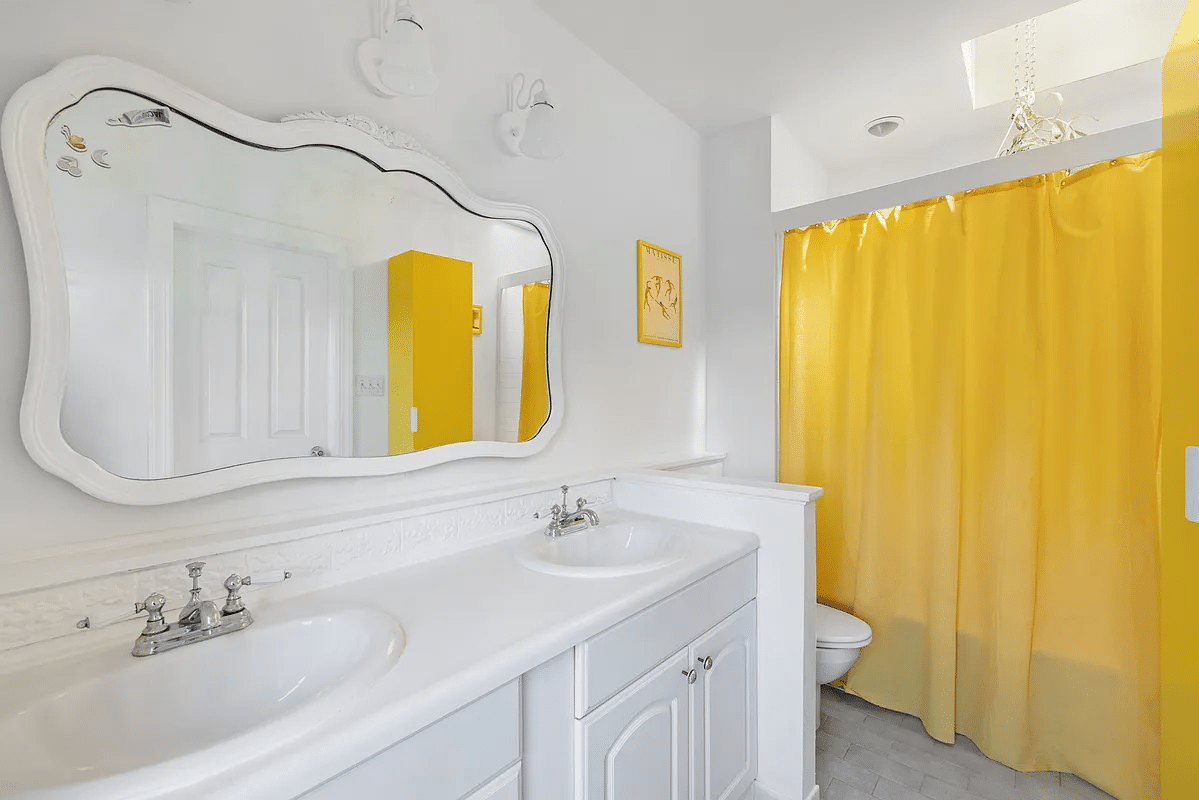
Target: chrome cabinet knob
x=692, y=676
x=707, y=662
x=317, y=451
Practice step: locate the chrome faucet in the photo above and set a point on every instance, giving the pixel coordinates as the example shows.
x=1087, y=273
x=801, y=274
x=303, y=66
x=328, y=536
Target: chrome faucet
x=564, y=521
x=199, y=620
x=200, y=615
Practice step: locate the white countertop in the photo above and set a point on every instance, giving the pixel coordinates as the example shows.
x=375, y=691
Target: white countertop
x=472, y=622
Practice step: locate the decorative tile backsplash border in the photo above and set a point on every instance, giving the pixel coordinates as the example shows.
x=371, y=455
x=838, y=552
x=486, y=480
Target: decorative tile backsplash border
x=354, y=552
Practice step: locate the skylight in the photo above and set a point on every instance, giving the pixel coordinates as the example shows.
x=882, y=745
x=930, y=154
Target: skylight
x=1075, y=42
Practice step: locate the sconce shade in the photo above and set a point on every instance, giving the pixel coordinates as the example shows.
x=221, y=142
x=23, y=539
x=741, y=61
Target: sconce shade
x=540, y=138
x=407, y=66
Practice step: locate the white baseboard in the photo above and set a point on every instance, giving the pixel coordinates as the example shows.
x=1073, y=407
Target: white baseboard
x=760, y=792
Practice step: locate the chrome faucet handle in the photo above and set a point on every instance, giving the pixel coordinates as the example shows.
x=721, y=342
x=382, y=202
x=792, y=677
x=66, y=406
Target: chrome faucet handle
x=233, y=603
x=554, y=512
x=580, y=503
x=233, y=584
x=153, y=605
x=267, y=576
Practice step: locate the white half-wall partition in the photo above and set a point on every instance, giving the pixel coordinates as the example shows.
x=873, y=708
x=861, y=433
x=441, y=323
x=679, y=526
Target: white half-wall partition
x=784, y=519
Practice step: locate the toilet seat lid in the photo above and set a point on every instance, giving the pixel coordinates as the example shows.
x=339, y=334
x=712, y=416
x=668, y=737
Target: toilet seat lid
x=835, y=627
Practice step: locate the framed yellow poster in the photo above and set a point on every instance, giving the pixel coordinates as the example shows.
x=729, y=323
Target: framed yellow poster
x=659, y=296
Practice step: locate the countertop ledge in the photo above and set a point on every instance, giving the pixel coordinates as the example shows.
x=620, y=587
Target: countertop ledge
x=473, y=622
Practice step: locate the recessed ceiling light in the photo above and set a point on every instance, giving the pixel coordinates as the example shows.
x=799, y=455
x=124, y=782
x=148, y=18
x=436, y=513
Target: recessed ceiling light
x=884, y=126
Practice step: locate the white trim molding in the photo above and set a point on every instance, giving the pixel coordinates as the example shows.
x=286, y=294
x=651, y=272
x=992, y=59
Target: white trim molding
x=760, y=792
x=22, y=139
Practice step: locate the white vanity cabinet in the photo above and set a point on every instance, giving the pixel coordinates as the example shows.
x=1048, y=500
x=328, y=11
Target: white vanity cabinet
x=473, y=754
x=687, y=728
x=660, y=706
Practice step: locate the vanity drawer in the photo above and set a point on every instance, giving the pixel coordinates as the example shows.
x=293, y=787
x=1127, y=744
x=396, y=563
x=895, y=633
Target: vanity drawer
x=505, y=787
x=445, y=761
x=610, y=661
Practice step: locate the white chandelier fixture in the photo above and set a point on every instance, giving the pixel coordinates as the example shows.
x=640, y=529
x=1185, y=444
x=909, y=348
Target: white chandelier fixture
x=1029, y=129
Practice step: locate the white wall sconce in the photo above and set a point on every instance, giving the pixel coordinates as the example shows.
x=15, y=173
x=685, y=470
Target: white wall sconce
x=529, y=128
x=399, y=61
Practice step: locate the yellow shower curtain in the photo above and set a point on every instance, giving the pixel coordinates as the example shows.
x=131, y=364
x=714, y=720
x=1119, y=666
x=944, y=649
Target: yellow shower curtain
x=534, y=386
x=975, y=380
x=1180, y=401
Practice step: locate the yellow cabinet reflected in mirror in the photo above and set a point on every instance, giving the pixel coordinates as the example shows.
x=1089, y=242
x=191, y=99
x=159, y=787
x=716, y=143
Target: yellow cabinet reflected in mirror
x=429, y=351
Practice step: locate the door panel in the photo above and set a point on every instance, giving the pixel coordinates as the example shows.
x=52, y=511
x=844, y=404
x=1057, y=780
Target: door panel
x=724, y=707
x=223, y=352
x=634, y=747
x=252, y=362
x=289, y=358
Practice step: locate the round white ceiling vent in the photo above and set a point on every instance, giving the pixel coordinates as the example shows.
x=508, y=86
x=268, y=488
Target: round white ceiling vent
x=884, y=126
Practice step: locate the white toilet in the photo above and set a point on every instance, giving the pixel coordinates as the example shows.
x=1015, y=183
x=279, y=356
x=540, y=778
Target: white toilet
x=840, y=637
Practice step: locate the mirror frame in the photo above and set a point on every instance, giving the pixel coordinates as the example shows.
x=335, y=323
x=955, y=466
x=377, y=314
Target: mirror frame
x=23, y=142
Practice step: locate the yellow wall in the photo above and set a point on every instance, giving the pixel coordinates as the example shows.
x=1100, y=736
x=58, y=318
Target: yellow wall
x=1180, y=411
x=429, y=351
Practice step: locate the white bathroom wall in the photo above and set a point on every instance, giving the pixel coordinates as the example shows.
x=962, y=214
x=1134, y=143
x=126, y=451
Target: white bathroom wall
x=511, y=331
x=742, y=312
x=796, y=176
x=371, y=413
x=631, y=170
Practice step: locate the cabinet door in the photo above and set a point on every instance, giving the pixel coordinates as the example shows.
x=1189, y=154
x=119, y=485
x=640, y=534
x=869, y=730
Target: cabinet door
x=724, y=747
x=635, y=746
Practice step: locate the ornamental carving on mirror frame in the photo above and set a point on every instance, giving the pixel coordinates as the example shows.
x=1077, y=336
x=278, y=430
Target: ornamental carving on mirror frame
x=389, y=137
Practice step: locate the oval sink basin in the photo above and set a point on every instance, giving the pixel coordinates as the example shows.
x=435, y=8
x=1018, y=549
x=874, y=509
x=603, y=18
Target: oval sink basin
x=169, y=719
x=611, y=550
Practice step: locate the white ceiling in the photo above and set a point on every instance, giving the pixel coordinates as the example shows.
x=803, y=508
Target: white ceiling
x=827, y=67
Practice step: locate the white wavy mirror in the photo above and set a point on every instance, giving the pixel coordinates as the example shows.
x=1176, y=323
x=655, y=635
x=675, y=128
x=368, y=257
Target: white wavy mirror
x=220, y=301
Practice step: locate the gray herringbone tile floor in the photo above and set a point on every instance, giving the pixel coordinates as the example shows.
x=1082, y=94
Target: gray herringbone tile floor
x=864, y=752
